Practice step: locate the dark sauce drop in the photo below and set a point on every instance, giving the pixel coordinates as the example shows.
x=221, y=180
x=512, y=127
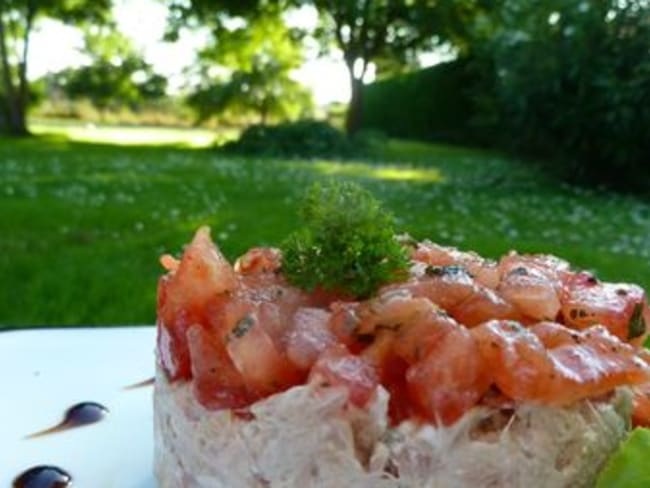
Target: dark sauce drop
x=76, y=416
x=43, y=477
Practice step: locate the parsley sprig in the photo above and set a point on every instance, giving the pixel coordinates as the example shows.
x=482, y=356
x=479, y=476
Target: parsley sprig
x=347, y=244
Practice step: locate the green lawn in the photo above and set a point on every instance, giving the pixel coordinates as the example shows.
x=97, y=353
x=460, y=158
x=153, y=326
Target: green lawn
x=82, y=224
x=129, y=136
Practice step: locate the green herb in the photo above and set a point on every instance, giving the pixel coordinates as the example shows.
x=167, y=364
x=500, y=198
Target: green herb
x=637, y=325
x=445, y=270
x=347, y=244
x=242, y=327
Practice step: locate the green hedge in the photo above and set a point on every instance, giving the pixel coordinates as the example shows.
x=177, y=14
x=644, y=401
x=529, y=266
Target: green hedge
x=430, y=104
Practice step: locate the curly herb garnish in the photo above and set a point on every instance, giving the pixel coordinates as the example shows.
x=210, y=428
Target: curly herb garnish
x=347, y=244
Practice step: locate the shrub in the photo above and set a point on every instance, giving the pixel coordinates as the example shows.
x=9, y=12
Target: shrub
x=304, y=138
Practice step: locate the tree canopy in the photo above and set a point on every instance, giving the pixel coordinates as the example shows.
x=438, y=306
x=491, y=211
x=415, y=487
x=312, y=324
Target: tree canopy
x=116, y=75
x=364, y=30
x=381, y=30
x=17, y=19
x=255, y=56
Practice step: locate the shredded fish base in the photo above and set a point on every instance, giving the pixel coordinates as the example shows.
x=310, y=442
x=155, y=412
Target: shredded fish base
x=305, y=437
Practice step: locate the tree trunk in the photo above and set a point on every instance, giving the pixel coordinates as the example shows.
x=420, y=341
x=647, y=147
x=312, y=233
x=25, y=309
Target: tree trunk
x=23, y=84
x=15, y=97
x=264, y=111
x=355, y=107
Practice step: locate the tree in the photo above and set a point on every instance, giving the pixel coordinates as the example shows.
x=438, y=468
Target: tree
x=17, y=19
x=116, y=75
x=3, y=111
x=365, y=30
x=259, y=55
x=369, y=30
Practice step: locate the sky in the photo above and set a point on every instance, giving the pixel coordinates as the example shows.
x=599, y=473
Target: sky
x=144, y=22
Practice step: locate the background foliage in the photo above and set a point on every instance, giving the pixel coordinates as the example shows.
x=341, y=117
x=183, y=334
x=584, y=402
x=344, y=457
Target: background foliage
x=430, y=104
x=564, y=82
x=304, y=138
x=256, y=59
x=571, y=85
x=116, y=75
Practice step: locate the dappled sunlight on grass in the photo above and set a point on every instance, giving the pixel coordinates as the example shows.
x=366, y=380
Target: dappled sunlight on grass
x=414, y=152
x=390, y=173
x=129, y=136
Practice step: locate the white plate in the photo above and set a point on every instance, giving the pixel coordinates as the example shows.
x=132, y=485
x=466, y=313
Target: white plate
x=43, y=372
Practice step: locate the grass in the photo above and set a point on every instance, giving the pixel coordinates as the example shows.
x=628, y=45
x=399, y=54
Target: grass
x=82, y=224
x=129, y=136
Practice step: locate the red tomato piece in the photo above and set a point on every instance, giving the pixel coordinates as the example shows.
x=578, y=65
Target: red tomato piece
x=450, y=380
x=264, y=369
x=587, y=301
x=532, y=284
x=216, y=382
x=575, y=366
x=484, y=271
x=259, y=260
x=338, y=367
x=416, y=339
x=481, y=306
x=173, y=353
x=391, y=370
x=344, y=324
x=183, y=296
x=309, y=336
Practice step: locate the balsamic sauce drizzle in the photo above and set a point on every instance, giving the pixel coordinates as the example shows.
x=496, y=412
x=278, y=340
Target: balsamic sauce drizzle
x=141, y=384
x=43, y=477
x=76, y=416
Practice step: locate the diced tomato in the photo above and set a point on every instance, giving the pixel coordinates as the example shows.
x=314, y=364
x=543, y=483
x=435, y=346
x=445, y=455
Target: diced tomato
x=171, y=341
x=446, y=286
x=532, y=284
x=416, y=339
x=309, y=336
x=259, y=260
x=344, y=324
x=393, y=379
x=173, y=353
x=450, y=379
x=391, y=370
x=554, y=365
x=264, y=369
x=484, y=271
x=552, y=267
x=183, y=296
x=277, y=315
x=242, y=334
x=216, y=382
x=338, y=367
x=202, y=273
x=320, y=297
x=391, y=311
x=169, y=262
x=587, y=301
x=481, y=306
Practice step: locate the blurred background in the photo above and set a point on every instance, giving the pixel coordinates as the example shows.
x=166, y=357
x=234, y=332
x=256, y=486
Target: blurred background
x=486, y=125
